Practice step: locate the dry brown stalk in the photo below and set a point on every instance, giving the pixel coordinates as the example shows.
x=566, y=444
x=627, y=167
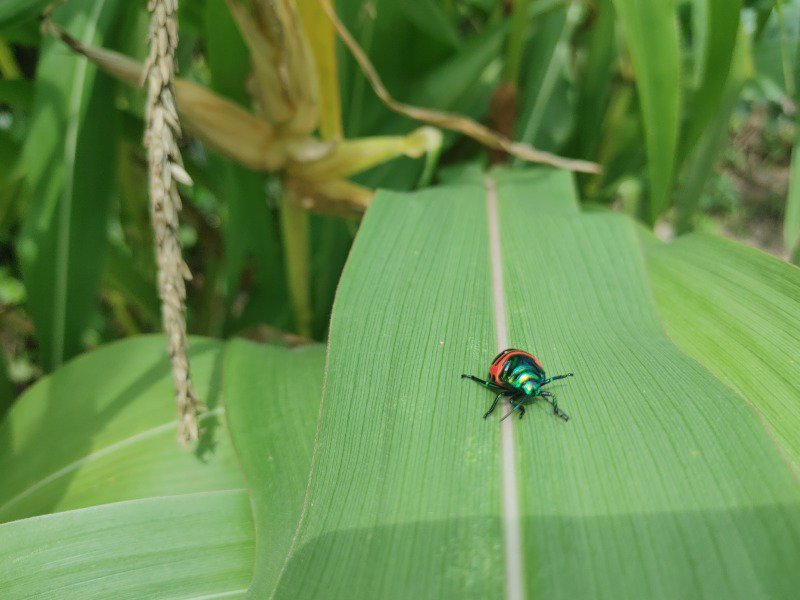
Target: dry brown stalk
x=162, y=130
x=451, y=121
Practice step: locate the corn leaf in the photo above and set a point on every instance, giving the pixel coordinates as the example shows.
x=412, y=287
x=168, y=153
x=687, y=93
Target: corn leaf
x=662, y=465
x=61, y=245
x=651, y=32
x=274, y=441
x=673, y=478
x=727, y=306
x=715, y=26
x=791, y=219
x=120, y=508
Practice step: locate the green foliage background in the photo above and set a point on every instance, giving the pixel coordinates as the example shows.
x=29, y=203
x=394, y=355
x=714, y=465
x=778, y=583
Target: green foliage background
x=363, y=469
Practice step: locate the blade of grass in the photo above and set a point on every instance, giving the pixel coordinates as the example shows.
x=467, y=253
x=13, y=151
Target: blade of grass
x=651, y=31
x=552, y=55
x=715, y=27
x=63, y=237
x=791, y=219
x=594, y=86
x=698, y=165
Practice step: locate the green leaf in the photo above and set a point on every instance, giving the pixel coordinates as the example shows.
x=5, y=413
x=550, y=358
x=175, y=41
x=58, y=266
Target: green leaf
x=112, y=413
x=735, y=311
x=17, y=93
x=176, y=546
x=228, y=57
x=15, y=11
x=120, y=274
x=791, y=220
x=663, y=484
x=274, y=398
x=331, y=239
x=715, y=27
x=549, y=61
x=132, y=513
x=73, y=124
x=594, y=85
x=698, y=165
x=254, y=271
x=651, y=31
x=430, y=17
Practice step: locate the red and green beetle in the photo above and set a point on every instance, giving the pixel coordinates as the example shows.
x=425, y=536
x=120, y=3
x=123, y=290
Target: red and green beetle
x=520, y=376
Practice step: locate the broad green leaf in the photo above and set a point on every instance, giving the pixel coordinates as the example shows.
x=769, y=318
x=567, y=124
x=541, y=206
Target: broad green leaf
x=133, y=514
x=187, y=546
x=72, y=125
x=735, y=311
x=662, y=467
x=651, y=32
x=111, y=416
x=273, y=400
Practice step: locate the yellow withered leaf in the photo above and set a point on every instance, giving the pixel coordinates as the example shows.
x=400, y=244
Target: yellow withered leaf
x=337, y=197
x=322, y=39
x=354, y=156
x=220, y=123
x=271, y=90
x=283, y=67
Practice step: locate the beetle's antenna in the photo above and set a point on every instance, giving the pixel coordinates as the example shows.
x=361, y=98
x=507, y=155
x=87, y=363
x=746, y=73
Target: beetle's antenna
x=556, y=378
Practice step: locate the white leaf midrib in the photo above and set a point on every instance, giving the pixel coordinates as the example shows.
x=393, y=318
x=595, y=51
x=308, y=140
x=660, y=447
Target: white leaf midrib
x=512, y=530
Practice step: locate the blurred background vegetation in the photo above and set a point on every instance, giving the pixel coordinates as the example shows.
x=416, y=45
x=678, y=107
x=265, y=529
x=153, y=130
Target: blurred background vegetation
x=690, y=109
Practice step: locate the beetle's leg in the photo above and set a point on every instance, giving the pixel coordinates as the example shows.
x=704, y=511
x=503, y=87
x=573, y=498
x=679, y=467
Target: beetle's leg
x=494, y=404
x=556, y=378
x=488, y=384
x=518, y=405
x=556, y=411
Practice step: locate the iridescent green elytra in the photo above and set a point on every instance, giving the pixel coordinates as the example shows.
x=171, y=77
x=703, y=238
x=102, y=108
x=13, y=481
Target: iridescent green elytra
x=520, y=376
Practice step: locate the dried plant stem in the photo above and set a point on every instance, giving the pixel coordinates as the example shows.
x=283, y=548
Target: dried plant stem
x=165, y=169
x=451, y=121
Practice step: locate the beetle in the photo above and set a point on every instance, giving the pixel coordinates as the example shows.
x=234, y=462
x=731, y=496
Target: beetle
x=520, y=376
